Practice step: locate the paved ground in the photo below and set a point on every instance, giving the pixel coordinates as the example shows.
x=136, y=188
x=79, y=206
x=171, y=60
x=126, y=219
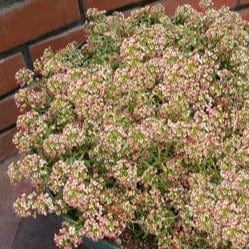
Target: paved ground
x=17, y=233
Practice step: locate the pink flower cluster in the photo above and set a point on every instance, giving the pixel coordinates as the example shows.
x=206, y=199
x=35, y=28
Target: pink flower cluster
x=146, y=124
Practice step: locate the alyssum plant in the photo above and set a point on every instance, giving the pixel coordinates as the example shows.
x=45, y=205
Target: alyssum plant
x=147, y=123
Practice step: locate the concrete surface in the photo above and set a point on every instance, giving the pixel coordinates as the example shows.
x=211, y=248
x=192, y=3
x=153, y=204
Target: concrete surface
x=26, y=233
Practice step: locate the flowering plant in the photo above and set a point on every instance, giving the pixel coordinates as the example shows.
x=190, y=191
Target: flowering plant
x=146, y=124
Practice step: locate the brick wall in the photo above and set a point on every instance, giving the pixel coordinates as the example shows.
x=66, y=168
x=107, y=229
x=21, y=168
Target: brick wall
x=27, y=28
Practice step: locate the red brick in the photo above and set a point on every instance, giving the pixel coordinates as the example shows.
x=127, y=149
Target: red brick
x=8, y=112
x=58, y=42
x=243, y=2
x=245, y=14
x=108, y=4
x=171, y=6
x=33, y=18
x=7, y=148
x=228, y=3
x=8, y=68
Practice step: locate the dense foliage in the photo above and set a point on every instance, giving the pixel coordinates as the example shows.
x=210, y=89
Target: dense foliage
x=146, y=124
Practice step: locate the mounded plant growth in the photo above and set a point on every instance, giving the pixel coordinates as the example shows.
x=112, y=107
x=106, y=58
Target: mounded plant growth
x=144, y=126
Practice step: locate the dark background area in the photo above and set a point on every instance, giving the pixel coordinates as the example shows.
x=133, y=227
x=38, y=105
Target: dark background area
x=4, y=3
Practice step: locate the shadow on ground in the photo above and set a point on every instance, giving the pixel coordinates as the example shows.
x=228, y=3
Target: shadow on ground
x=36, y=233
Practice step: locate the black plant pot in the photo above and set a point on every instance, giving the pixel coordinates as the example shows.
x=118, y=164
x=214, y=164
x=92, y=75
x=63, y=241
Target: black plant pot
x=102, y=244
